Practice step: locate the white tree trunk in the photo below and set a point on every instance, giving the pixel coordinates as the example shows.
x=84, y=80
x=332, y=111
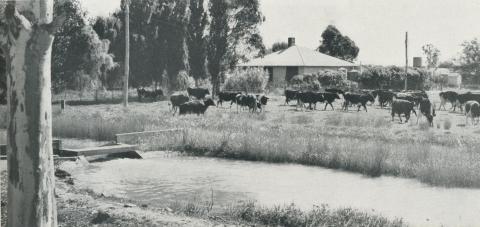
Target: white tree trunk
x=31, y=200
x=127, y=53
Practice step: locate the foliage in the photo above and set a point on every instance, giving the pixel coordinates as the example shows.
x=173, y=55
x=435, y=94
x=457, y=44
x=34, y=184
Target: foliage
x=279, y=46
x=305, y=82
x=196, y=39
x=246, y=80
x=315, y=81
x=233, y=35
x=337, y=45
x=218, y=37
x=69, y=46
x=184, y=81
x=392, y=77
x=470, y=61
x=432, y=54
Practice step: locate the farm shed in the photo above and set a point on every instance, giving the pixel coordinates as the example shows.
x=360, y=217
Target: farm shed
x=284, y=64
x=452, y=79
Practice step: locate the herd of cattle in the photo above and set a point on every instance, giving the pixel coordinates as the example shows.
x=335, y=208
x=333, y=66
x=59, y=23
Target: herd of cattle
x=197, y=101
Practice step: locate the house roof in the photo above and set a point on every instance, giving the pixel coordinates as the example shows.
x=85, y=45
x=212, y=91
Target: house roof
x=298, y=56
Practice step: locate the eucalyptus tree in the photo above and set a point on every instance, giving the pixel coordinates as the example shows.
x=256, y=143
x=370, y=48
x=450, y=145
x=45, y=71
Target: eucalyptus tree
x=27, y=31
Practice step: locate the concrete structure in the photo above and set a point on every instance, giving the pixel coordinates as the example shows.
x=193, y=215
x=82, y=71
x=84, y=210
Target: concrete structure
x=285, y=64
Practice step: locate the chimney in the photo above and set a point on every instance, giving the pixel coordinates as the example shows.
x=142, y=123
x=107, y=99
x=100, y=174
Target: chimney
x=291, y=41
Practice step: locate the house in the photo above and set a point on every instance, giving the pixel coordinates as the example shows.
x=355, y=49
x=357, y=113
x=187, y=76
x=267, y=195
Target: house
x=452, y=79
x=285, y=64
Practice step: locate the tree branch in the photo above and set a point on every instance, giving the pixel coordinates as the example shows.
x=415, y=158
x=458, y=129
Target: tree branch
x=56, y=23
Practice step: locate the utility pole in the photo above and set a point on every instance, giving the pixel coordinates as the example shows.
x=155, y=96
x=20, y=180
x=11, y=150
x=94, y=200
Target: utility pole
x=406, y=60
x=127, y=53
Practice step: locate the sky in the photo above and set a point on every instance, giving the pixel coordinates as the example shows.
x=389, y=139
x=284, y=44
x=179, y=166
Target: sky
x=377, y=26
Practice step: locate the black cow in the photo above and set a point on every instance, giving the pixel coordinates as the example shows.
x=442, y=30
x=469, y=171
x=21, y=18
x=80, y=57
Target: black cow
x=385, y=97
x=357, y=99
x=448, y=96
x=428, y=109
x=249, y=101
x=328, y=99
x=227, y=97
x=290, y=95
x=463, y=98
x=412, y=96
x=405, y=107
x=262, y=101
x=335, y=90
x=198, y=93
x=472, y=110
x=178, y=99
x=196, y=107
x=309, y=97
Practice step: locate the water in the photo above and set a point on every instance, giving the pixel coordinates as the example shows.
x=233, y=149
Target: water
x=160, y=179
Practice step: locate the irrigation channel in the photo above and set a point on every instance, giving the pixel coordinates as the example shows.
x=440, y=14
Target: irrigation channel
x=165, y=177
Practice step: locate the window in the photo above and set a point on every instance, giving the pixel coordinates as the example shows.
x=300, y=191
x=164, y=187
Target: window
x=291, y=72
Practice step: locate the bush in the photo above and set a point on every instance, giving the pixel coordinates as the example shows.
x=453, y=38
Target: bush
x=392, y=77
x=184, y=81
x=247, y=80
x=315, y=81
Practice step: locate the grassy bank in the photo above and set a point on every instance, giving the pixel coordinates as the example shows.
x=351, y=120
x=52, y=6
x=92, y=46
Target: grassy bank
x=358, y=142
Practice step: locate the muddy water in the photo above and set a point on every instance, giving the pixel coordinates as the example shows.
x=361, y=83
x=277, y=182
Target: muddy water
x=162, y=178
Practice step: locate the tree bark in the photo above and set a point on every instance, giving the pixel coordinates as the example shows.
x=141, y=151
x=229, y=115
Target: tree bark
x=31, y=200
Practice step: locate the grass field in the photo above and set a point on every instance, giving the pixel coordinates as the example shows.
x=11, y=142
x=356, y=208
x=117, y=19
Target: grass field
x=368, y=143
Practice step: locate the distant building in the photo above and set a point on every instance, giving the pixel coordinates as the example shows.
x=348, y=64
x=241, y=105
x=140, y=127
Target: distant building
x=285, y=64
x=452, y=79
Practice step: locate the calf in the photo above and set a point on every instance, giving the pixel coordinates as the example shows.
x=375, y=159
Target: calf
x=198, y=93
x=384, y=97
x=472, y=110
x=227, y=97
x=427, y=108
x=357, y=99
x=196, y=107
x=290, y=95
x=310, y=98
x=448, y=96
x=405, y=107
x=178, y=99
x=328, y=99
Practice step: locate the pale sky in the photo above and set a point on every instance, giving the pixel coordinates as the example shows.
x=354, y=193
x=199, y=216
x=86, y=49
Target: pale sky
x=377, y=26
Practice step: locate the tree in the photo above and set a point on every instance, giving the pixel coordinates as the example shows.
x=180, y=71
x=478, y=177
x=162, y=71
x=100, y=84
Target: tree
x=3, y=79
x=196, y=40
x=279, y=46
x=126, y=63
x=69, y=45
x=233, y=36
x=432, y=54
x=470, y=61
x=218, y=37
x=337, y=45
x=26, y=34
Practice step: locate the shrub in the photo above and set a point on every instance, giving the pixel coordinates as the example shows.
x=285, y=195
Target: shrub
x=247, y=80
x=392, y=77
x=332, y=78
x=184, y=81
x=305, y=82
